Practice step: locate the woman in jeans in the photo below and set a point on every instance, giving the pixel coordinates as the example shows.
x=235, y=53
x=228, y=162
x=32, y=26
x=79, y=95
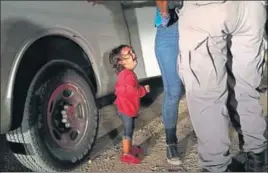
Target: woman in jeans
x=166, y=50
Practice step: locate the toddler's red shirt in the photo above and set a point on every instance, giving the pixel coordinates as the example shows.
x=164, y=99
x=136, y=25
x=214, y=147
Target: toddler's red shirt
x=128, y=93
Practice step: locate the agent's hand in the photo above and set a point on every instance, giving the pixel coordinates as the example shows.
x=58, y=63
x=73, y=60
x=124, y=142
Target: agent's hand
x=147, y=88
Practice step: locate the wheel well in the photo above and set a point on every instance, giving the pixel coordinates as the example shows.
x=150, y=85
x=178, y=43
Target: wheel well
x=38, y=54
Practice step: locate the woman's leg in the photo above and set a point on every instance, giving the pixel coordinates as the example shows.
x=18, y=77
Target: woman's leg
x=166, y=50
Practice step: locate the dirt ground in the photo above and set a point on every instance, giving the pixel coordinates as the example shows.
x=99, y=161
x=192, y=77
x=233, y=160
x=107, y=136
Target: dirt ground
x=155, y=159
x=149, y=134
x=152, y=139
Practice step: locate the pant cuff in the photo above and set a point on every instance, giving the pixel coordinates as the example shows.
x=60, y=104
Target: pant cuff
x=127, y=137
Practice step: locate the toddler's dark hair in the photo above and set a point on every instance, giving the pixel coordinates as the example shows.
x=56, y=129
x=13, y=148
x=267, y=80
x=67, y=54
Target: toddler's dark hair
x=114, y=57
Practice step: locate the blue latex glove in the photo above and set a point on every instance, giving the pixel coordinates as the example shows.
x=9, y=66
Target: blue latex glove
x=157, y=20
x=160, y=20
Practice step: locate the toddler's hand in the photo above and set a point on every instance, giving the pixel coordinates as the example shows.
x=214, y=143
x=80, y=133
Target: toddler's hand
x=147, y=88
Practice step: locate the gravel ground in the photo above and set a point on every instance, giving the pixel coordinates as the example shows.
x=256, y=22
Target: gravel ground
x=154, y=159
x=149, y=135
x=151, y=139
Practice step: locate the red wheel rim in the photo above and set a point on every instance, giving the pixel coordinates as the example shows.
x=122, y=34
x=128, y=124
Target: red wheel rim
x=66, y=115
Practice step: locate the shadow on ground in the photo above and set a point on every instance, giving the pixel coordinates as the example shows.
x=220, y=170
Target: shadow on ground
x=240, y=158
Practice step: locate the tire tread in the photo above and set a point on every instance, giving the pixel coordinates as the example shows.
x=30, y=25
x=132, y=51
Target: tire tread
x=33, y=160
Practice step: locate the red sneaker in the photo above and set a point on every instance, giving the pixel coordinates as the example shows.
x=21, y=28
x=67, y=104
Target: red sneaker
x=136, y=150
x=130, y=159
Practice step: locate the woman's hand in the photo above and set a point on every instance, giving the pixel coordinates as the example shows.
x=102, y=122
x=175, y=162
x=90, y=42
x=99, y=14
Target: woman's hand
x=165, y=20
x=165, y=14
x=163, y=7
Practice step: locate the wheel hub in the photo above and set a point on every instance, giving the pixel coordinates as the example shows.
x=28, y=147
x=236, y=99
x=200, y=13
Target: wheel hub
x=66, y=117
x=61, y=118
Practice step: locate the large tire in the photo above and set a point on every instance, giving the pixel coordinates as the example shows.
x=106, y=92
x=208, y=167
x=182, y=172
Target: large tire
x=43, y=150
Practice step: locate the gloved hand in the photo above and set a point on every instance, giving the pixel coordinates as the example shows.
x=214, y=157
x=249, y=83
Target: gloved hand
x=165, y=20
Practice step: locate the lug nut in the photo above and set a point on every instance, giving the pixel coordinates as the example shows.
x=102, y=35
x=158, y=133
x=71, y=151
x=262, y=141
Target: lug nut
x=64, y=116
x=64, y=120
x=66, y=107
x=63, y=112
x=67, y=125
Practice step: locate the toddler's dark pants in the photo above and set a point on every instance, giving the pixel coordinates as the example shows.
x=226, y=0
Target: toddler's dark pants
x=129, y=124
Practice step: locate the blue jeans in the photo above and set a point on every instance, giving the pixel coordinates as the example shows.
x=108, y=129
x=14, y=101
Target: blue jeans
x=129, y=125
x=166, y=51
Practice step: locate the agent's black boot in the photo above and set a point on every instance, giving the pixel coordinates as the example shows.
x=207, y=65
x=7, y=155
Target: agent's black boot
x=173, y=156
x=255, y=162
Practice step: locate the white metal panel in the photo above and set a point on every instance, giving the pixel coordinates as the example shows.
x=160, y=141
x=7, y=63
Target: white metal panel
x=147, y=31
